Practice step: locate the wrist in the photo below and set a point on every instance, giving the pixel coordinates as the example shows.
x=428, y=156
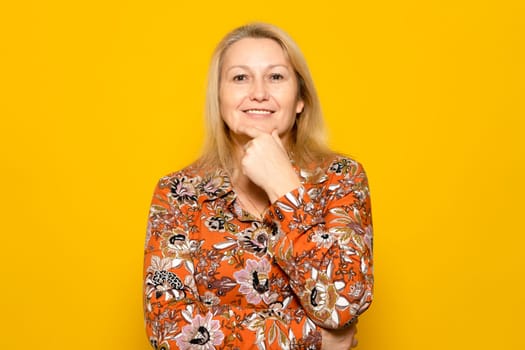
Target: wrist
x=281, y=189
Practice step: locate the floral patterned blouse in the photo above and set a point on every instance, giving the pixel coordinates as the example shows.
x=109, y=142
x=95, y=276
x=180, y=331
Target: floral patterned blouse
x=216, y=277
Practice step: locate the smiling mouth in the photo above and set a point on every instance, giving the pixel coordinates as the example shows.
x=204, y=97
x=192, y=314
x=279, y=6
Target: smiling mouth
x=258, y=111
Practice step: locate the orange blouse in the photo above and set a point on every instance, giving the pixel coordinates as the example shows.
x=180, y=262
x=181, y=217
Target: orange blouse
x=216, y=277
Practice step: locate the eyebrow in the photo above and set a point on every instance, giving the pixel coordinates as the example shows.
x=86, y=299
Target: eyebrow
x=248, y=68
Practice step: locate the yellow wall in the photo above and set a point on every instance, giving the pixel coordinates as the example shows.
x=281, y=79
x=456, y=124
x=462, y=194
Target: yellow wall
x=100, y=98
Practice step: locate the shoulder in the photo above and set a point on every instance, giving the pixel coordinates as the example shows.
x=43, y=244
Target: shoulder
x=194, y=183
x=336, y=167
x=346, y=176
x=188, y=173
x=344, y=166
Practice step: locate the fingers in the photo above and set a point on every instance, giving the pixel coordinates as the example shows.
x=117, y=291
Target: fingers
x=354, y=335
x=254, y=133
x=250, y=131
x=277, y=138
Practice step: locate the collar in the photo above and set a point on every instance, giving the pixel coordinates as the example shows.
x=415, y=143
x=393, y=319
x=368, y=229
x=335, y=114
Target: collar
x=215, y=185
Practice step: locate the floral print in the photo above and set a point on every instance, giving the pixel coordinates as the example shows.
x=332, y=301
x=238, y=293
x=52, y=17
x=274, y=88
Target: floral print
x=203, y=333
x=255, y=239
x=320, y=298
x=254, y=281
x=216, y=277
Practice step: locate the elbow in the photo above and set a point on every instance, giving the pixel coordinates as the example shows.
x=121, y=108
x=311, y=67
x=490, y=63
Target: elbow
x=344, y=313
x=336, y=304
x=330, y=309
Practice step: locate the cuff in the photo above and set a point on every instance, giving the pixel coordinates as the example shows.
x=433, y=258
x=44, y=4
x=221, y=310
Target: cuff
x=291, y=216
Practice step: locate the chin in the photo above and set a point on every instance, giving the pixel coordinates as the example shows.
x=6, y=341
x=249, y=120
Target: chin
x=261, y=126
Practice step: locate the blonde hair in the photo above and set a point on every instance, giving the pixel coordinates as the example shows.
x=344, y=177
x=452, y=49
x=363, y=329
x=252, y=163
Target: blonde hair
x=307, y=146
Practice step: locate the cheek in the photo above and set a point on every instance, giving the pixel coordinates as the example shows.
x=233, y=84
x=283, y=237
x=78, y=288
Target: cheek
x=288, y=96
x=229, y=98
x=224, y=102
x=289, y=100
x=226, y=108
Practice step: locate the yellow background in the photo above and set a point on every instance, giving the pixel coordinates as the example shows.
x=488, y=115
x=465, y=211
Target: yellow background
x=101, y=98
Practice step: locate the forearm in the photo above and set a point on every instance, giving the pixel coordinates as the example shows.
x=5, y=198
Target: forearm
x=339, y=339
x=323, y=243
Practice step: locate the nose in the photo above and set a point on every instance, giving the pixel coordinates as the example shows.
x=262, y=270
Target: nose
x=258, y=91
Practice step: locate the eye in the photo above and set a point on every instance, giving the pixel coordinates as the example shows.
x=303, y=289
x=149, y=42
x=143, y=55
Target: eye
x=240, y=77
x=276, y=76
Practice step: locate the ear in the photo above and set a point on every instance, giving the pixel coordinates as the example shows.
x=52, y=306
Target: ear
x=299, y=106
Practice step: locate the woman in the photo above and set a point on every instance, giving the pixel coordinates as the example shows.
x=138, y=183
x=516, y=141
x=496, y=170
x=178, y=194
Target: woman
x=265, y=241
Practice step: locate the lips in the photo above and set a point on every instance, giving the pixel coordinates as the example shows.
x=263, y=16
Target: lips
x=258, y=111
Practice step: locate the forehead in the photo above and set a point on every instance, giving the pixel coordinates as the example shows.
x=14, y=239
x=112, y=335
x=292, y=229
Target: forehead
x=254, y=52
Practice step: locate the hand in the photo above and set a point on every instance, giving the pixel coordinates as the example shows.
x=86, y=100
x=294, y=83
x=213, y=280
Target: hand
x=266, y=163
x=339, y=339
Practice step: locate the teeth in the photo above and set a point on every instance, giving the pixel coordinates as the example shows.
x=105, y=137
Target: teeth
x=258, y=111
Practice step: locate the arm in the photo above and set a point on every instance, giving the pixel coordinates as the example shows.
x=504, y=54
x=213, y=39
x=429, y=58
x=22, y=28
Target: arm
x=173, y=311
x=339, y=339
x=322, y=233
x=323, y=241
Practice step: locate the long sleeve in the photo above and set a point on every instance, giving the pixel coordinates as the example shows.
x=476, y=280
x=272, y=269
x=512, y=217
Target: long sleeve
x=177, y=316
x=174, y=313
x=218, y=278
x=323, y=241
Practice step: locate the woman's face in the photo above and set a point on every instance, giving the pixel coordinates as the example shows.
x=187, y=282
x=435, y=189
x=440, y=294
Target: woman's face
x=258, y=88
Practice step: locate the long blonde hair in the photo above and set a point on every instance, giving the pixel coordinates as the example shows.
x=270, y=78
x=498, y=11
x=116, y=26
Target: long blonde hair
x=308, y=144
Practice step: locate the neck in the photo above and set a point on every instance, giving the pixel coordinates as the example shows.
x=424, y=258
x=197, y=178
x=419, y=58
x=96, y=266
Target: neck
x=243, y=183
x=252, y=198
